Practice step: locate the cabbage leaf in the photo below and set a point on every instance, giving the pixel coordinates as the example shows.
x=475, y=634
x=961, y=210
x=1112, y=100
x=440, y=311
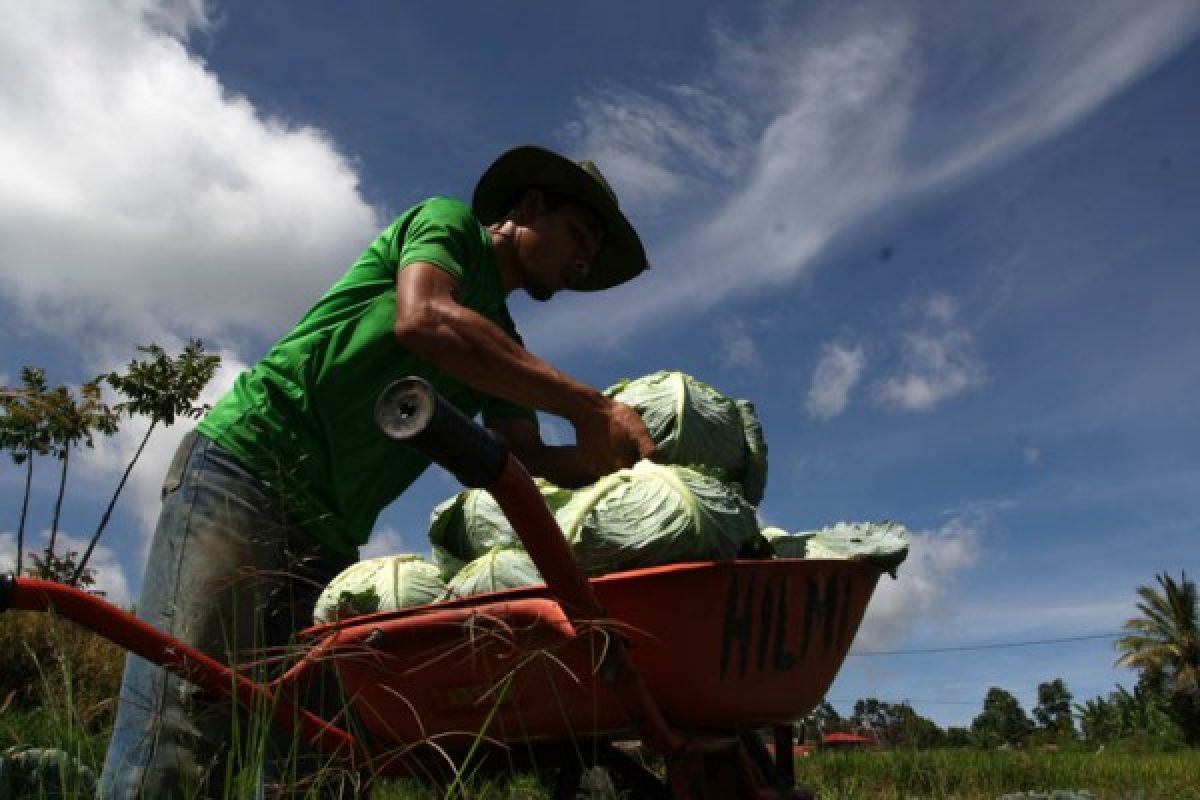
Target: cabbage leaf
x=694, y=424
x=379, y=584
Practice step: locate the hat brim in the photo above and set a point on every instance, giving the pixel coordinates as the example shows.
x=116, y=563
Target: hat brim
x=620, y=258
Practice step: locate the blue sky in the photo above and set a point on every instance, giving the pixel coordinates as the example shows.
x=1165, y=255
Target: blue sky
x=949, y=252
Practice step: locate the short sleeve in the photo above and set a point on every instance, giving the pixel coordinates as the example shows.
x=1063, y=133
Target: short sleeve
x=443, y=232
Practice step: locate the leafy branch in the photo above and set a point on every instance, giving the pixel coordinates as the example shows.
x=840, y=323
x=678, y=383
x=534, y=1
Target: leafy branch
x=161, y=388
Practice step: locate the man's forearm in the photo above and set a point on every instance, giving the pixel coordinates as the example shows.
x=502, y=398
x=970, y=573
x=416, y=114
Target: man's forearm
x=560, y=465
x=473, y=349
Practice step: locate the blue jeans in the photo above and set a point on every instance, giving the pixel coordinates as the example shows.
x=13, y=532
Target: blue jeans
x=230, y=574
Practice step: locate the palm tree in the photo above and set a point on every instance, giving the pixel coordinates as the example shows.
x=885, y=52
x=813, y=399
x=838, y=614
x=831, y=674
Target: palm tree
x=1166, y=636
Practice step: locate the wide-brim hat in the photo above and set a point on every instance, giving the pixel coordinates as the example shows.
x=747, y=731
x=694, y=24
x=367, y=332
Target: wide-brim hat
x=621, y=255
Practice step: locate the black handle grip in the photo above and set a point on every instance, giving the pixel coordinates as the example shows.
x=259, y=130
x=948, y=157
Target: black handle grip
x=411, y=411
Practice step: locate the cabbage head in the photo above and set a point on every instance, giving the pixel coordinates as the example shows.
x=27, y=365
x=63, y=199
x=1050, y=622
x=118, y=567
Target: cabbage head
x=694, y=424
x=379, y=584
x=647, y=515
x=497, y=569
x=471, y=524
x=653, y=514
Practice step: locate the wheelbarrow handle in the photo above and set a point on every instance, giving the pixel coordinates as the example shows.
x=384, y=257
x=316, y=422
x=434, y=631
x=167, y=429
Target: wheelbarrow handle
x=411, y=411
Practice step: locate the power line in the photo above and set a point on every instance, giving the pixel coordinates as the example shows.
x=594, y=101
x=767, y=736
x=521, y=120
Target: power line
x=988, y=646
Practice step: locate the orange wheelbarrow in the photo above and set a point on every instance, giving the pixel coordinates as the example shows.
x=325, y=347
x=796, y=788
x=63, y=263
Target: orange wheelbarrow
x=690, y=659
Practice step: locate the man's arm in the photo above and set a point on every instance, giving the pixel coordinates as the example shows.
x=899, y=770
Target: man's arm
x=559, y=464
x=464, y=344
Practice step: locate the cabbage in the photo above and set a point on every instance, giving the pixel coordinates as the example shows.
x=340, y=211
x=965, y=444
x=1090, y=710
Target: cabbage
x=647, y=515
x=653, y=514
x=693, y=423
x=471, y=524
x=499, y=568
x=379, y=584
x=882, y=543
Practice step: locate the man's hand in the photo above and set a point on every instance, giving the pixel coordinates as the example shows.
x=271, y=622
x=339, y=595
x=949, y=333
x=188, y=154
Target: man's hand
x=612, y=437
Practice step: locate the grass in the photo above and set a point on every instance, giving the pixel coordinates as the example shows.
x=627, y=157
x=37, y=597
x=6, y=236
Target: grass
x=971, y=774
x=57, y=684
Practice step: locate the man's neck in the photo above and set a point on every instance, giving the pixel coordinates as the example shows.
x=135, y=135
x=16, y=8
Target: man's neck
x=504, y=247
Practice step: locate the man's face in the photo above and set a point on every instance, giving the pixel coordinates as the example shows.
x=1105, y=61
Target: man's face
x=556, y=249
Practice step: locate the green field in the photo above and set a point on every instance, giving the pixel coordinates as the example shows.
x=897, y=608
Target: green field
x=994, y=773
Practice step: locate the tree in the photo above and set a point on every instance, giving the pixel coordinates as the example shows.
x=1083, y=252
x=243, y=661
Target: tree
x=1002, y=721
x=161, y=388
x=1166, y=636
x=1165, y=641
x=913, y=730
x=822, y=720
x=72, y=421
x=1141, y=714
x=958, y=737
x=1053, y=709
x=25, y=433
x=896, y=724
x=1098, y=720
x=871, y=713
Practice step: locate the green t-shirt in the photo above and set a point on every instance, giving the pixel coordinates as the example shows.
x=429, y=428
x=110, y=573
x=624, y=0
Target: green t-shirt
x=302, y=419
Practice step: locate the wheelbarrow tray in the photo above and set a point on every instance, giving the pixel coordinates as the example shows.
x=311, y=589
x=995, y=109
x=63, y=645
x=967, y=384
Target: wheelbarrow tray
x=721, y=646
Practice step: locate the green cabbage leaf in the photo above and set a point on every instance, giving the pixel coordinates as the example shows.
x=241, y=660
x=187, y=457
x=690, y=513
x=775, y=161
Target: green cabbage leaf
x=694, y=424
x=498, y=569
x=379, y=584
x=882, y=543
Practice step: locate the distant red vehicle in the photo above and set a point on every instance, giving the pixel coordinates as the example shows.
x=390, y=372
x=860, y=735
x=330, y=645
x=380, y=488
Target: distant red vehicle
x=847, y=741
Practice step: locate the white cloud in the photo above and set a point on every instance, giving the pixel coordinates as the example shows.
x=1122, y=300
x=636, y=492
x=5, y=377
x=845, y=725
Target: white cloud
x=110, y=576
x=839, y=370
x=386, y=541
x=661, y=149
x=833, y=114
x=140, y=194
x=738, y=348
x=925, y=582
x=938, y=361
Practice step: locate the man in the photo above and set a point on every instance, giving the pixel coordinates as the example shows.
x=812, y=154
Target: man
x=283, y=480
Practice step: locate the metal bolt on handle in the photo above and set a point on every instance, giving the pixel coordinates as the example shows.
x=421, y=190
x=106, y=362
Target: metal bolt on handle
x=411, y=411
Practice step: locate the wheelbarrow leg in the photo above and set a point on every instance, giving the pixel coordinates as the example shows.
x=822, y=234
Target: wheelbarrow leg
x=566, y=787
x=630, y=778
x=785, y=756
